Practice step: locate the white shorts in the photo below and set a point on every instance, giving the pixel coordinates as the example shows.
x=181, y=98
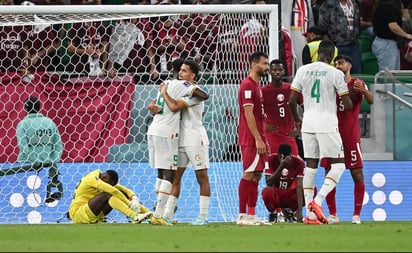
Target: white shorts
x=198, y=156
x=318, y=145
x=162, y=152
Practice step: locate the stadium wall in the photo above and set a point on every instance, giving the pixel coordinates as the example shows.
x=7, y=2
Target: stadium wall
x=388, y=194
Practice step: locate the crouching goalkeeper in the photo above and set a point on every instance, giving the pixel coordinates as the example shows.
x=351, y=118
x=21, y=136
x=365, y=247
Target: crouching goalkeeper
x=98, y=193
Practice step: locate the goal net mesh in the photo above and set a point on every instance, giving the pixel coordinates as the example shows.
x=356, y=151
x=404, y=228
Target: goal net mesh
x=94, y=75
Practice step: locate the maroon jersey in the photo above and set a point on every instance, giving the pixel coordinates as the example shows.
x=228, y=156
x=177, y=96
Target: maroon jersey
x=349, y=131
x=276, y=107
x=250, y=93
x=289, y=174
x=12, y=42
x=349, y=119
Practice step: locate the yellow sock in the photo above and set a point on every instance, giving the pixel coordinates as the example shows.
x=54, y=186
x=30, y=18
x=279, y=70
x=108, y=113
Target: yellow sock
x=121, y=207
x=143, y=209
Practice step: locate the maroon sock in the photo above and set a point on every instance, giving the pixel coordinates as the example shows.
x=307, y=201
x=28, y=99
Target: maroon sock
x=252, y=197
x=359, y=193
x=243, y=195
x=331, y=202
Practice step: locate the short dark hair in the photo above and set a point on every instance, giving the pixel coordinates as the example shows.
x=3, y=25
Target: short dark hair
x=114, y=177
x=32, y=104
x=193, y=66
x=176, y=64
x=343, y=57
x=326, y=47
x=276, y=61
x=255, y=57
x=285, y=149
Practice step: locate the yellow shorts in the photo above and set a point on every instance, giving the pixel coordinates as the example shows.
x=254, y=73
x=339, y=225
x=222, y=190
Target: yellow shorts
x=84, y=215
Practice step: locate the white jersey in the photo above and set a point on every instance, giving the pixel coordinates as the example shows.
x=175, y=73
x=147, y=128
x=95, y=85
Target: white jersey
x=192, y=131
x=166, y=123
x=319, y=83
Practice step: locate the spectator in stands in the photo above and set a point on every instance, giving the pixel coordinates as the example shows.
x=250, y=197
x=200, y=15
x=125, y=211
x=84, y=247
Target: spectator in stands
x=285, y=52
x=314, y=36
x=251, y=37
x=340, y=18
x=315, y=10
x=366, y=10
x=387, y=26
x=13, y=54
x=131, y=49
x=201, y=31
x=406, y=50
x=297, y=17
x=168, y=43
x=44, y=41
x=40, y=143
x=88, y=44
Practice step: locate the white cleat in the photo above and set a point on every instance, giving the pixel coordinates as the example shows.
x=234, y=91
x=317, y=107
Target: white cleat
x=356, y=219
x=332, y=219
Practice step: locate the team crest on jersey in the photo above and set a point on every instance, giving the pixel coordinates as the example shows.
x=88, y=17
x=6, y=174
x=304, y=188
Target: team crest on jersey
x=186, y=83
x=248, y=94
x=280, y=97
x=198, y=157
x=285, y=172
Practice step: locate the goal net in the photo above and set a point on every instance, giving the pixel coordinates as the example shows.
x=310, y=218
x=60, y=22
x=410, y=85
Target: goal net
x=94, y=70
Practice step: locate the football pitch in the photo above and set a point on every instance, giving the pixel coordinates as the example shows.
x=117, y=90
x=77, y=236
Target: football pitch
x=217, y=237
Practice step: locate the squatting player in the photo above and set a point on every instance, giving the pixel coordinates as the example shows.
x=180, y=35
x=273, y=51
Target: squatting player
x=284, y=182
x=98, y=193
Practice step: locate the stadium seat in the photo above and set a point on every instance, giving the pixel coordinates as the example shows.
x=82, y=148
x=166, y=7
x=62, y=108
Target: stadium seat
x=365, y=41
x=369, y=63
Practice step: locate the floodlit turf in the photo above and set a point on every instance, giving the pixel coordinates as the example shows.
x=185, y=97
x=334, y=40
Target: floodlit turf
x=345, y=237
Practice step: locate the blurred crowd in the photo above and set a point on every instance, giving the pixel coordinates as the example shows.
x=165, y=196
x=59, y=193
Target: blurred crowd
x=148, y=45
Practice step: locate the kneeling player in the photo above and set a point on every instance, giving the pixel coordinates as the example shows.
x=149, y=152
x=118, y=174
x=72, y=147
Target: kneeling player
x=284, y=185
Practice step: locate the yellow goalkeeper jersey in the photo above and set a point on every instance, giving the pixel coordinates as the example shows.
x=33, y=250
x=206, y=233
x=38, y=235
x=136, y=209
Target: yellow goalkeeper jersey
x=91, y=185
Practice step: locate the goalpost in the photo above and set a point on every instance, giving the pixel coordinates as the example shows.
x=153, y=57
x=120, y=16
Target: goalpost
x=98, y=98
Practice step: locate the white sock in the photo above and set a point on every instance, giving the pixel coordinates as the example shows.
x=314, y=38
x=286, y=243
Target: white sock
x=164, y=193
x=308, y=187
x=170, y=207
x=157, y=186
x=331, y=180
x=204, y=207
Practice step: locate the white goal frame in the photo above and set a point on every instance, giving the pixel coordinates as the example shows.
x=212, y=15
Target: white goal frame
x=271, y=9
x=224, y=176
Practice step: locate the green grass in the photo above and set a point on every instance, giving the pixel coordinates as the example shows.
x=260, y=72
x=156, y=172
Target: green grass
x=217, y=237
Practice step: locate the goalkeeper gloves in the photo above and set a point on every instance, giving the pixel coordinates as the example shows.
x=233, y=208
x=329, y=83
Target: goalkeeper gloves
x=134, y=204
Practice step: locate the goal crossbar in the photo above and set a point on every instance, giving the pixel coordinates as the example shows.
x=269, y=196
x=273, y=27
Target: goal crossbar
x=130, y=10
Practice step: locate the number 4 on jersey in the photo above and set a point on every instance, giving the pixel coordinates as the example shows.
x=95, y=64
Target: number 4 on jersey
x=315, y=92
